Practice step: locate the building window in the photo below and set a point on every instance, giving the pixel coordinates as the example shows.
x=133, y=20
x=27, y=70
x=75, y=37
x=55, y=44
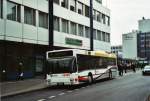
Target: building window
x=80, y=30
x=1, y=8
x=29, y=16
x=87, y=32
x=103, y=36
x=73, y=5
x=99, y=1
x=56, y=23
x=73, y=28
x=87, y=11
x=103, y=19
x=13, y=11
x=108, y=20
x=98, y=14
x=64, y=3
x=107, y=37
x=80, y=8
x=94, y=34
x=65, y=26
x=43, y=19
x=94, y=14
x=56, y=1
x=99, y=35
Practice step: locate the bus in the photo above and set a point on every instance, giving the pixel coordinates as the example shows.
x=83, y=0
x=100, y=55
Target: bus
x=75, y=66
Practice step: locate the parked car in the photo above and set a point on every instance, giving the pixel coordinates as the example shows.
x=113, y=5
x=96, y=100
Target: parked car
x=146, y=70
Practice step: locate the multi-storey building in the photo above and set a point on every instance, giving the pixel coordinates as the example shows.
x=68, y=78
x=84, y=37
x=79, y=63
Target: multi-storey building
x=25, y=34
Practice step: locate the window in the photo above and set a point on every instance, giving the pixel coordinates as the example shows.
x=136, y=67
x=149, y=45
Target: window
x=43, y=19
x=73, y=28
x=80, y=30
x=56, y=23
x=98, y=14
x=103, y=36
x=94, y=14
x=103, y=19
x=99, y=1
x=99, y=35
x=29, y=16
x=87, y=32
x=80, y=8
x=107, y=37
x=1, y=8
x=73, y=5
x=64, y=3
x=87, y=11
x=94, y=33
x=108, y=20
x=65, y=26
x=13, y=11
x=56, y=1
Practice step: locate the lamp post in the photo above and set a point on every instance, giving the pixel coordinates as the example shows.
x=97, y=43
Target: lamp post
x=91, y=26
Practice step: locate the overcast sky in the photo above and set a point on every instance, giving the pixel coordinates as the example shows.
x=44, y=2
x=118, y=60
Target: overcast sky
x=125, y=15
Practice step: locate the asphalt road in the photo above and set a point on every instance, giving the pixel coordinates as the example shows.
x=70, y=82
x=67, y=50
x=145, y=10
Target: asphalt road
x=131, y=87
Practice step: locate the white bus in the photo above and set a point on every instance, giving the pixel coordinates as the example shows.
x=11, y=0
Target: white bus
x=74, y=66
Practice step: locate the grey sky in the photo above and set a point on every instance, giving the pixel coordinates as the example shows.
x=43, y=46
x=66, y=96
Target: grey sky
x=125, y=15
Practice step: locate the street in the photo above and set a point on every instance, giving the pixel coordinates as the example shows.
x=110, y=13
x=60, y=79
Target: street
x=131, y=87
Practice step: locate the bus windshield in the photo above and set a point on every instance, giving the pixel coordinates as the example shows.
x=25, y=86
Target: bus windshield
x=61, y=65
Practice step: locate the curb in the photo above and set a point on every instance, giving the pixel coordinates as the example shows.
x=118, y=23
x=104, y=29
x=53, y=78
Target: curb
x=23, y=91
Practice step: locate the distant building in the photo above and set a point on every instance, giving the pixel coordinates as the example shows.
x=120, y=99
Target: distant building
x=136, y=44
x=117, y=50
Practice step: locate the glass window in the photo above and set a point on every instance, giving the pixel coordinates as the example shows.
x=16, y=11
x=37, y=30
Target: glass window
x=99, y=1
x=98, y=14
x=103, y=36
x=94, y=34
x=73, y=5
x=29, y=16
x=73, y=28
x=56, y=23
x=43, y=19
x=87, y=32
x=103, y=19
x=56, y=1
x=107, y=20
x=65, y=26
x=80, y=30
x=87, y=11
x=94, y=14
x=80, y=8
x=1, y=8
x=99, y=35
x=13, y=11
x=64, y=3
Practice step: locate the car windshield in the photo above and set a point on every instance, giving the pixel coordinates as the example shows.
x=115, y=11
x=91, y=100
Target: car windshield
x=147, y=67
x=61, y=65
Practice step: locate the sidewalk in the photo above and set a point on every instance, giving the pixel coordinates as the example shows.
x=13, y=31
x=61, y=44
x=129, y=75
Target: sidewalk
x=17, y=87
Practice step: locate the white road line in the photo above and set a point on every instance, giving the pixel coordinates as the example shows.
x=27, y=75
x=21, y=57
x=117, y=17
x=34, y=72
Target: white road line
x=41, y=100
x=69, y=91
x=51, y=97
x=61, y=94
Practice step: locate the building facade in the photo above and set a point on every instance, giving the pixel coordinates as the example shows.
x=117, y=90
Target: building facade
x=117, y=50
x=26, y=31
x=144, y=40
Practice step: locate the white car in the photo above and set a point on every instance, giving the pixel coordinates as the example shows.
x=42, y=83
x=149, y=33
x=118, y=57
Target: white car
x=146, y=70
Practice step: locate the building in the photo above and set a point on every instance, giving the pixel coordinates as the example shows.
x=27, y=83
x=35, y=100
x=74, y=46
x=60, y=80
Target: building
x=136, y=44
x=144, y=40
x=117, y=50
x=130, y=45
x=24, y=34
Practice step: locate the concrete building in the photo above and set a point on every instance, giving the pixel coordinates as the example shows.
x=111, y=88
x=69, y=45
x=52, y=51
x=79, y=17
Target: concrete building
x=24, y=34
x=130, y=45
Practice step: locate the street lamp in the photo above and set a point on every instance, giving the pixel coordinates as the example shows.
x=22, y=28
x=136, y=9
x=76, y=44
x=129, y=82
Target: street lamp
x=91, y=26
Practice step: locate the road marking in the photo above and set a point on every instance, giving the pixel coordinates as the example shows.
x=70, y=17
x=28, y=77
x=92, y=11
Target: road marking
x=61, y=94
x=41, y=100
x=69, y=91
x=51, y=97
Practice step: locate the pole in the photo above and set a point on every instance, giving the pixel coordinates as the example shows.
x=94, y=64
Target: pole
x=91, y=26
